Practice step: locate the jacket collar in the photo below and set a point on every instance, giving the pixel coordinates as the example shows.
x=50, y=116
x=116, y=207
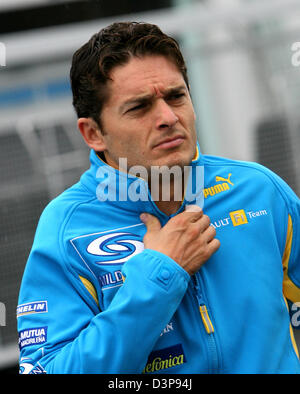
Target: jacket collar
x=131, y=193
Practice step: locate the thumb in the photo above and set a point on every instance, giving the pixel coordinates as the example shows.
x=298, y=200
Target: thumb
x=150, y=221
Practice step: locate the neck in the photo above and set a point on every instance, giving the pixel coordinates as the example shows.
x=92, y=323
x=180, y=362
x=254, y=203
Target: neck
x=167, y=192
x=168, y=207
x=168, y=195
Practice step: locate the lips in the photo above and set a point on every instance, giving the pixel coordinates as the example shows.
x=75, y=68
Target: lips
x=169, y=143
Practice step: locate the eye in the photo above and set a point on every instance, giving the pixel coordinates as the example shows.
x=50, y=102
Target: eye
x=137, y=107
x=176, y=96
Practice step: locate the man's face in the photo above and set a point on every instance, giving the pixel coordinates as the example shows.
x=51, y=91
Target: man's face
x=149, y=117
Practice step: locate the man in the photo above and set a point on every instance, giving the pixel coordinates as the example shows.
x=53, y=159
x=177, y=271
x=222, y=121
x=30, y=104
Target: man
x=120, y=282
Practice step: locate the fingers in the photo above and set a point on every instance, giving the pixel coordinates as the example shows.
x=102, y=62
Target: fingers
x=213, y=246
x=151, y=222
x=209, y=233
x=188, y=238
x=199, y=223
x=193, y=208
x=194, y=212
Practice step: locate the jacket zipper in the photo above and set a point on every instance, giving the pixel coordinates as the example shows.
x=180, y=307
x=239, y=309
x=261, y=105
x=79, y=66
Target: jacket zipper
x=209, y=328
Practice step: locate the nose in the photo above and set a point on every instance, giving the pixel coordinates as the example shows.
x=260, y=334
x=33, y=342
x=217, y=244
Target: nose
x=166, y=118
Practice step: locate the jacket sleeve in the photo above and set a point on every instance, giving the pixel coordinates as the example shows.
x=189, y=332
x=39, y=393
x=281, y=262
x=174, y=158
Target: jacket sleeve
x=61, y=332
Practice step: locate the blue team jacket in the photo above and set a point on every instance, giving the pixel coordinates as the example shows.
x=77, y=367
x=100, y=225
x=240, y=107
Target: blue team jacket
x=93, y=300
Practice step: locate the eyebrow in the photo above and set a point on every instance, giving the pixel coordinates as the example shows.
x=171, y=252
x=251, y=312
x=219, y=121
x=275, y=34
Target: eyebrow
x=144, y=99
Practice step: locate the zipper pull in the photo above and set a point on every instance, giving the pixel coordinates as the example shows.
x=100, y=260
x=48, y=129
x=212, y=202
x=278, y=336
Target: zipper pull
x=206, y=319
x=203, y=309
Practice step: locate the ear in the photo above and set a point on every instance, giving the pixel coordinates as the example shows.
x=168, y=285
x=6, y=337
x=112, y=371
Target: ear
x=91, y=134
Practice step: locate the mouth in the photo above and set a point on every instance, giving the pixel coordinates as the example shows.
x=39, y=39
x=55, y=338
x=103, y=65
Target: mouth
x=169, y=143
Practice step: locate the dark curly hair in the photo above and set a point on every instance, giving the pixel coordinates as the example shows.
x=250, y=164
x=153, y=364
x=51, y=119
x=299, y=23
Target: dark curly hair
x=110, y=47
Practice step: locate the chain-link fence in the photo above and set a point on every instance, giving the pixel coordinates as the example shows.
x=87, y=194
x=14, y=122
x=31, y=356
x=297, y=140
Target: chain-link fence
x=37, y=163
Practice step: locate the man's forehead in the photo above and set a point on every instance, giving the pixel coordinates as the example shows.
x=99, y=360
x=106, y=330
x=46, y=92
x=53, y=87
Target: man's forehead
x=154, y=90
x=148, y=75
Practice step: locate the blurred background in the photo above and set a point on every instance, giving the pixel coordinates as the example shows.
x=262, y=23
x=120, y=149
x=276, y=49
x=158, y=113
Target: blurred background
x=244, y=68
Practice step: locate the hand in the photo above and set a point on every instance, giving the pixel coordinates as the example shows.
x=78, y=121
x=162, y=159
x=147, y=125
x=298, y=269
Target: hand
x=187, y=238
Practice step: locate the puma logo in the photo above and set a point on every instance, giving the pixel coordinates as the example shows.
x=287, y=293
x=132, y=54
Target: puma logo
x=221, y=179
x=220, y=187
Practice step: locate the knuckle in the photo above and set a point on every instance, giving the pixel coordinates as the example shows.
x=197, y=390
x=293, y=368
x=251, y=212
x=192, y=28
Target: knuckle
x=212, y=230
x=180, y=221
x=215, y=244
x=193, y=232
x=206, y=220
